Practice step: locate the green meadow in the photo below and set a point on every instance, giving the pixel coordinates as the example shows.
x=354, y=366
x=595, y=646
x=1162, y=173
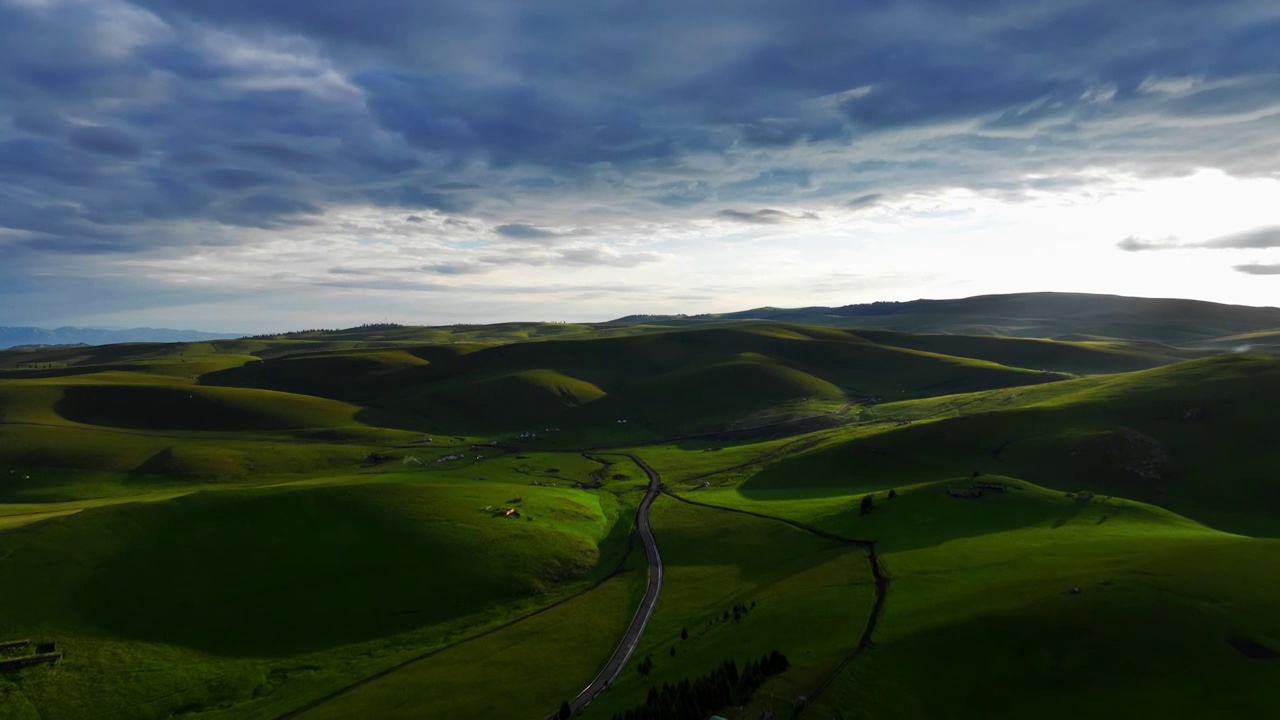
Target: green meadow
x=434, y=522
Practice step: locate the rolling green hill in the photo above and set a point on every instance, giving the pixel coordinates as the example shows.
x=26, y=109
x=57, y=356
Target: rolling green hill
x=1084, y=599
x=405, y=522
x=1067, y=316
x=201, y=595
x=1194, y=437
x=583, y=384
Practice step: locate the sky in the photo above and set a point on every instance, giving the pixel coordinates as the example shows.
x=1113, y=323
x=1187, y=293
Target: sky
x=254, y=166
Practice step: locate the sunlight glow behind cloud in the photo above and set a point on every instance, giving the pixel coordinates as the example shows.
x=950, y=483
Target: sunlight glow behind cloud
x=256, y=166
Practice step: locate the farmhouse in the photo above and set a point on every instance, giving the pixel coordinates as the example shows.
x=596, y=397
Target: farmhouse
x=993, y=486
x=964, y=493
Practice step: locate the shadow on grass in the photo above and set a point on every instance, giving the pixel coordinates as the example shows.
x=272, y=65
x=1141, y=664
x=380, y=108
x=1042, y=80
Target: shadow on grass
x=286, y=572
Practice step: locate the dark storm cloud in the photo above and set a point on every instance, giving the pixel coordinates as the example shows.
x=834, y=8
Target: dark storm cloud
x=117, y=115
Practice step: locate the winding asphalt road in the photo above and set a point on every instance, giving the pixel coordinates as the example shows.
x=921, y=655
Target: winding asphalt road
x=636, y=630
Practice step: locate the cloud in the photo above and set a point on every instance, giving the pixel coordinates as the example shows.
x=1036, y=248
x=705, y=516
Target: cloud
x=765, y=216
x=268, y=208
x=521, y=231
x=457, y=268
x=864, y=201
x=1255, y=239
x=1133, y=243
x=594, y=255
x=1170, y=85
x=604, y=256
x=237, y=178
x=106, y=141
x=145, y=127
x=1258, y=269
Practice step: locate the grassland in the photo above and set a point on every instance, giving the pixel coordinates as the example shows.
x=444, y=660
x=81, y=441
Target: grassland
x=1193, y=437
x=525, y=670
x=586, y=386
x=253, y=601
x=982, y=612
x=318, y=521
x=981, y=594
x=811, y=599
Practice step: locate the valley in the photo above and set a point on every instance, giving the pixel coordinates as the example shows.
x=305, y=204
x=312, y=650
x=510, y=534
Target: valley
x=404, y=522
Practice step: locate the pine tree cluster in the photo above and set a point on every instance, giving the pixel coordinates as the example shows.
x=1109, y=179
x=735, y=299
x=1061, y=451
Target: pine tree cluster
x=724, y=687
x=739, y=611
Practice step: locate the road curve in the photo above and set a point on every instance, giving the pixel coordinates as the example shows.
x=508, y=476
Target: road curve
x=635, y=631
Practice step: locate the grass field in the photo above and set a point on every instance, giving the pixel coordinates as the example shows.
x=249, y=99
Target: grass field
x=980, y=593
x=213, y=589
x=982, y=614
x=1193, y=437
x=525, y=670
x=812, y=598
x=319, y=521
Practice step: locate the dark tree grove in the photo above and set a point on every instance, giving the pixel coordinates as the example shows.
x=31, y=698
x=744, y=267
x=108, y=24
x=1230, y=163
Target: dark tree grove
x=867, y=505
x=724, y=686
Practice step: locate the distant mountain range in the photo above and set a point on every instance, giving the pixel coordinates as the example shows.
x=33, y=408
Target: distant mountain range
x=1193, y=324
x=1060, y=316
x=22, y=336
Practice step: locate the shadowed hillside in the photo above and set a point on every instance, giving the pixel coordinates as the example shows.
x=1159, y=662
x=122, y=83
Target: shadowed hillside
x=1067, y=316
x=663, y=381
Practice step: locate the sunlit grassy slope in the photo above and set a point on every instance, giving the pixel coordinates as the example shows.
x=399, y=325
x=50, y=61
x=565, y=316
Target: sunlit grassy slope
x=242, y=528
x=1194, y=437
x=981, y=594
x=812, y=597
